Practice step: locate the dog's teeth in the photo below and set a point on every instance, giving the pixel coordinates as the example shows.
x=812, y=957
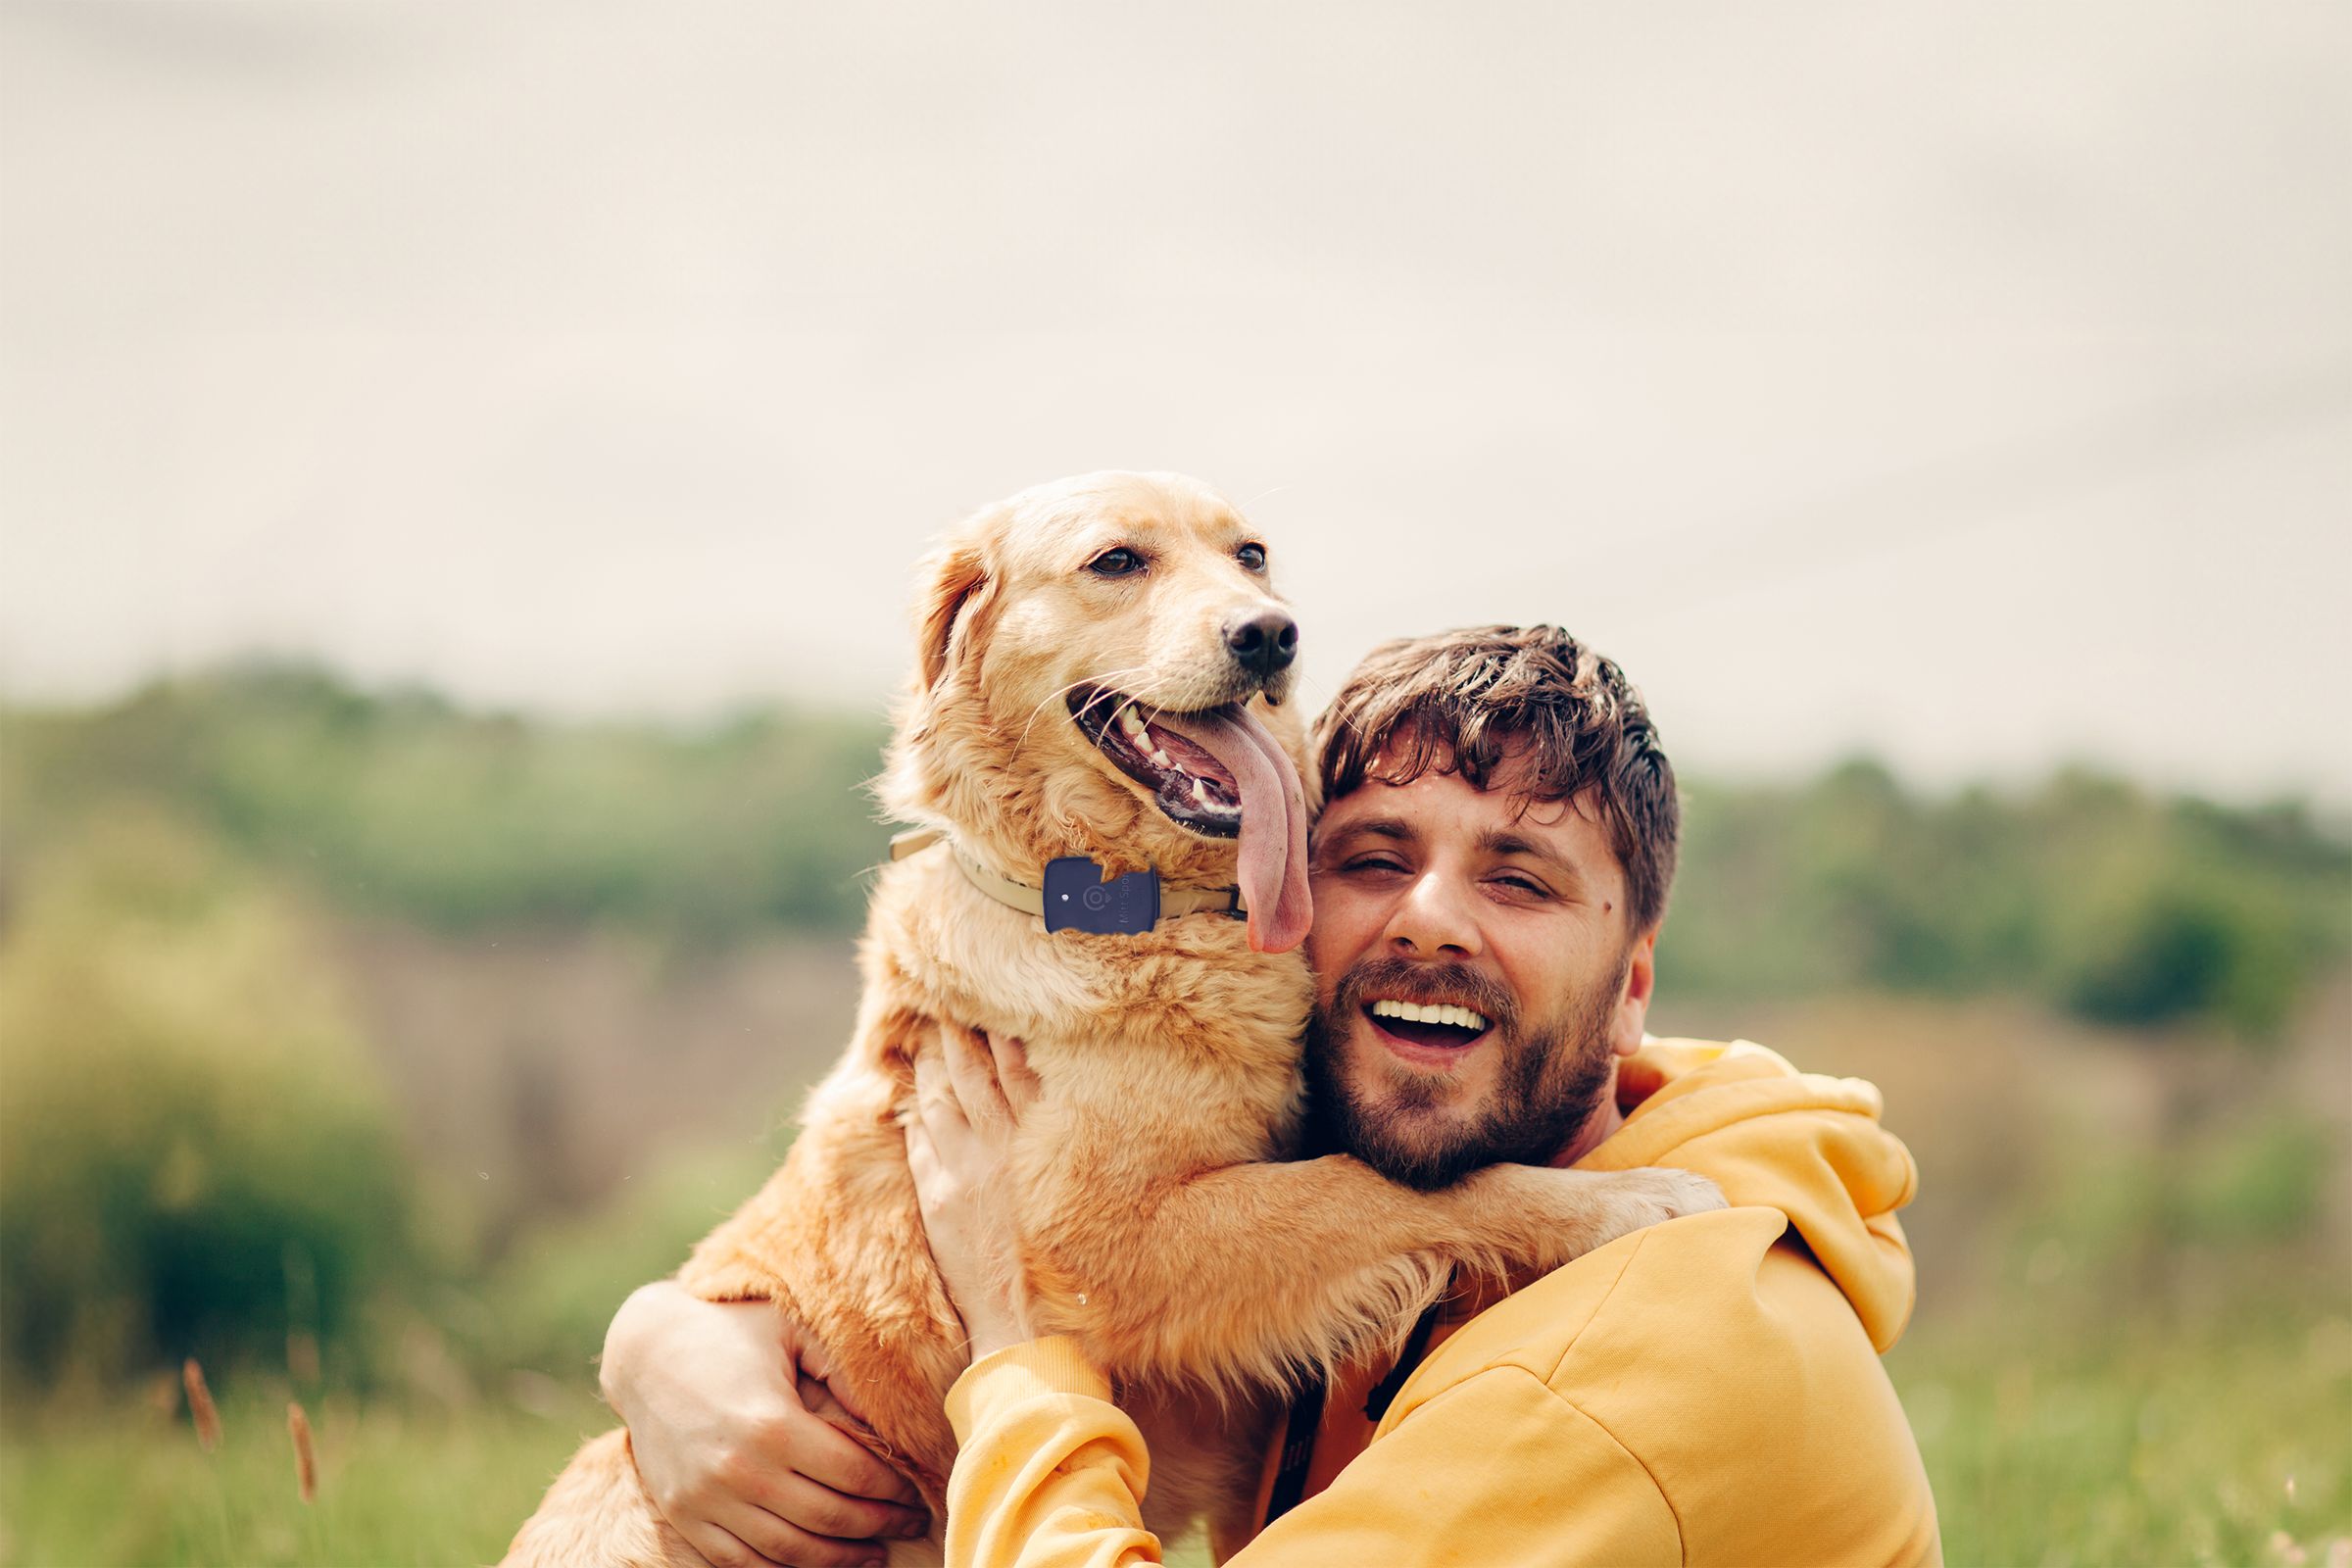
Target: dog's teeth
x=1201, y=792
x=1130, y=720
x=1161, y=758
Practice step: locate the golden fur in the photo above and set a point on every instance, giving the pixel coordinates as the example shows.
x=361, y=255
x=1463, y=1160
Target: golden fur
x=1158, y=1217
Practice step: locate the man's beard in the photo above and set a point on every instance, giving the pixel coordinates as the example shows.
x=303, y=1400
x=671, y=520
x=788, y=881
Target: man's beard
x=1547, y=1087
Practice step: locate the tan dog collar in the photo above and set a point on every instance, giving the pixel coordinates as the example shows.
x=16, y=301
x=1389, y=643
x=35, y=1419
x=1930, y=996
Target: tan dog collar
x=1032, y=900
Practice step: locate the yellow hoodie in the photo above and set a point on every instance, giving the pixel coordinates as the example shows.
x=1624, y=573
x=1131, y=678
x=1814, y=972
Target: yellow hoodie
x=1706, y=1391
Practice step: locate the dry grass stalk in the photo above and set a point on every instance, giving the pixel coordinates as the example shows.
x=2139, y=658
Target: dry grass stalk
x=306, y=1458
x=200, y=1404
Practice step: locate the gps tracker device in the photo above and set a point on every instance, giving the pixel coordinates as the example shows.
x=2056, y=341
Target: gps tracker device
x=1077, y=899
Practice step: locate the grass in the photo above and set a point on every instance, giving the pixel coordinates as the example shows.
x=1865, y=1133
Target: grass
x=2219, y=1443
x=2097, y=1376
x=2223, y=1444
x=395, y=1487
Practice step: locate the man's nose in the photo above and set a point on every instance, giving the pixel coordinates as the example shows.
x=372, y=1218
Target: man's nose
x=1263, y=643
x=1434, y=918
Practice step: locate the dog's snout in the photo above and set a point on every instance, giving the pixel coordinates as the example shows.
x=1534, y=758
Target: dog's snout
x=1264, y=643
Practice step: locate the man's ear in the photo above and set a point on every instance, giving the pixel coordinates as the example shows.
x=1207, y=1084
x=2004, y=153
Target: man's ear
x=953, y=576
x=1633, y=1005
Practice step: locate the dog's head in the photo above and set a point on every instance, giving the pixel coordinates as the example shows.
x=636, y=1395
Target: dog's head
x=1102, y=668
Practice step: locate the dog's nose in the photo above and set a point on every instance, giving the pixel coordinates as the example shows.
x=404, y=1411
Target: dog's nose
x=1265, y=643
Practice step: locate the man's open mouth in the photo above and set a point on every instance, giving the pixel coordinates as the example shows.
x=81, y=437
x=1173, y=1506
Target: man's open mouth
x=1192, y=788
x=1431, y=1026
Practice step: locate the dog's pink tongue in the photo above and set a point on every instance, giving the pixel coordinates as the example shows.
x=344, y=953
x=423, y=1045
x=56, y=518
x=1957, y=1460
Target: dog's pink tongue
x=1273, y=858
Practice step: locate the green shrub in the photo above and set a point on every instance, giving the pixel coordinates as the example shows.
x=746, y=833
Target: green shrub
x=547, y=1305
x=195, y=1156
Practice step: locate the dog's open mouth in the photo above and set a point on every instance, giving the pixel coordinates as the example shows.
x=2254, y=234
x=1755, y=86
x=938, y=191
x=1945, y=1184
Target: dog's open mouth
x=1220, y=773
x=1191, y=787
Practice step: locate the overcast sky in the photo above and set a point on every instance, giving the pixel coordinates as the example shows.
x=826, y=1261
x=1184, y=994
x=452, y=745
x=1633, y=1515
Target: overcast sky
x=1971, y=384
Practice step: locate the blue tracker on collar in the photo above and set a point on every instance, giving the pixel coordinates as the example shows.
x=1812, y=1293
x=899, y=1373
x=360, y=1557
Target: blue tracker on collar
x=1077, y=899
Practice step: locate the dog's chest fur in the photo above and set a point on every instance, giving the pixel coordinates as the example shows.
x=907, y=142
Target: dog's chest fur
x=1186, y=1009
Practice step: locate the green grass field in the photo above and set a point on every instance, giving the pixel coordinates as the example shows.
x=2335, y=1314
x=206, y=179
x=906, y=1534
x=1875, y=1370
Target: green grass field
x=395, y=1487
x=2201, y=1448
x=2220, y=1444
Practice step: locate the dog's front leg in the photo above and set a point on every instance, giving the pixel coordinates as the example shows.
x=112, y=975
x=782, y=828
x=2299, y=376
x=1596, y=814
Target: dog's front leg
x=1250, y=1274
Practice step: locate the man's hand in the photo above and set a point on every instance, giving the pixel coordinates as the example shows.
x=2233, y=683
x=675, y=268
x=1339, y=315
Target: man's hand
x=967, y=1105
x=720, y=1402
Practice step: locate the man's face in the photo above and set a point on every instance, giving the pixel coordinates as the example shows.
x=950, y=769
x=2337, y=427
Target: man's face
x=1507, y=931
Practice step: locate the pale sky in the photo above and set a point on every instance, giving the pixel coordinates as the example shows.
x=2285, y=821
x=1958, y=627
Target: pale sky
x=1969, y=384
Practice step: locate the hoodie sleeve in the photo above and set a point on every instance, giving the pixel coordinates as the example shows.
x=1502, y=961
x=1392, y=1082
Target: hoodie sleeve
x=1048, y=1470
x=1051, y=1475
x=1774, y=1137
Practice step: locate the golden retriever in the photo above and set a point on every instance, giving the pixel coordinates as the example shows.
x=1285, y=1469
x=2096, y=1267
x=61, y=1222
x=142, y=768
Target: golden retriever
x=1103, y=672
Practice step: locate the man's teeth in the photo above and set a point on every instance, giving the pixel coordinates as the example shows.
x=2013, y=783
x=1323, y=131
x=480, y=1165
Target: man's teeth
x=1430, y=1012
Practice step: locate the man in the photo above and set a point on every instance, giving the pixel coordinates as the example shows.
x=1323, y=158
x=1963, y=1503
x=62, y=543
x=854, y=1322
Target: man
x=1499, y=836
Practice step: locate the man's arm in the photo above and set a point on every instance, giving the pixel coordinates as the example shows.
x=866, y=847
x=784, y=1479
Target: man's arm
x=1497, y=1468
x=724, y=1404
x=1047, y=1469
x=1049, y=1472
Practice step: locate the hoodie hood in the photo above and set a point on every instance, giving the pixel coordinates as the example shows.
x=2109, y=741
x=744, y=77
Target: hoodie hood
x=1771, y=1137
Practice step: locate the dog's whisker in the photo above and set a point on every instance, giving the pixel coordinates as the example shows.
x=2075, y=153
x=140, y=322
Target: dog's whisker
x=1050, y=699
x=1089, y=704
x=1086, y=707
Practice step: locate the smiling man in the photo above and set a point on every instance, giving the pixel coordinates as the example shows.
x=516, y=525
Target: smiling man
x=1500, y=837
x=1489, y=872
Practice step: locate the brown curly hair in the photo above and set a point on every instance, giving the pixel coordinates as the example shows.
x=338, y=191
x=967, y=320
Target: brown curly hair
x=1466, y=701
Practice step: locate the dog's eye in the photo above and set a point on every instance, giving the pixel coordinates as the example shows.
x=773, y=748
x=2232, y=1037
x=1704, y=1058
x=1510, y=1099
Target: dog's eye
x=1252, y=557
x=1119, y=562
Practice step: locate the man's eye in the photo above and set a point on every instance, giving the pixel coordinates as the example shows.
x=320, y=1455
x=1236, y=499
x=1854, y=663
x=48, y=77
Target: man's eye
x=1521, y=884
x=1252, y=557
x=1118, y=563
x=1372, y=863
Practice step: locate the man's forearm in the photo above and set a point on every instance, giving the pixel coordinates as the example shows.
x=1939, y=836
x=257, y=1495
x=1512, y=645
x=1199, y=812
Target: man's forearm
x=648, y=1310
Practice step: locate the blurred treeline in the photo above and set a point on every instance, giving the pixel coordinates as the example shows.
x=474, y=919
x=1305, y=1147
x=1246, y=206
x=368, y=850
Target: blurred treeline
x=2116, y=905
x=402, y=804
x=211, y=1146
x=2112, y=904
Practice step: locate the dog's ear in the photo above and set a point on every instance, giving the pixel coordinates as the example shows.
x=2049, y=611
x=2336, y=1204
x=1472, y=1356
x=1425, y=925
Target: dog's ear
x=953, y=576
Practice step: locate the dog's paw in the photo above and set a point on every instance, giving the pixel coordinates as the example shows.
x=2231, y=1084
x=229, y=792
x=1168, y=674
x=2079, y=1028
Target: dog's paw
x=1660, y=1193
